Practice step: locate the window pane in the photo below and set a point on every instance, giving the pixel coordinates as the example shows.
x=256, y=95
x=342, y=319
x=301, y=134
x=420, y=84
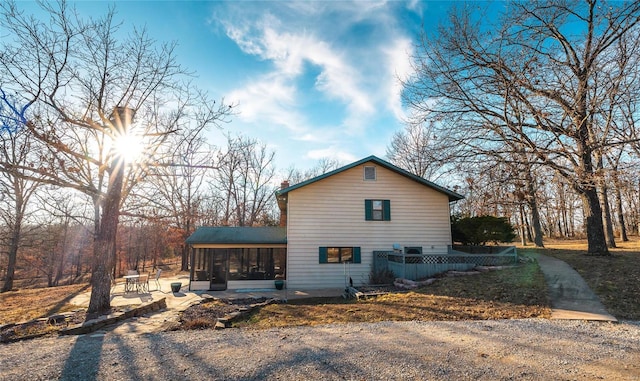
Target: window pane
x=377, y=204
x=237, y=263
x=347, y=254
x=377, y=215
x=280, y=262
x=201, y=264
x=256, y=267
x=333, y=255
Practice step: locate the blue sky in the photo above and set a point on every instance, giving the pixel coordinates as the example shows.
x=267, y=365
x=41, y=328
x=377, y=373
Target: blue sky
x=312, y=79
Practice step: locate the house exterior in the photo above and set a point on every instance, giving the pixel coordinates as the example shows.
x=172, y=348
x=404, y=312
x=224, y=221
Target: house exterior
x=237, y=257
x=331, y=225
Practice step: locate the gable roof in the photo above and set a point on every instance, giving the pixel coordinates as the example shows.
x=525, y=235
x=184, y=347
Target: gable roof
x=239, y=235
x=453, y=196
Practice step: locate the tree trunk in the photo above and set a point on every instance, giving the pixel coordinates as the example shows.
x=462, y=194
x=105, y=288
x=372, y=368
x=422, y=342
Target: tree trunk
x=611, y=242
x=523, y=226
x=13, y=255
x=79, y=264
x=535, y=214
x=185, y=248
x=537, y=227
x=60, y=269
x=597, y=244
x=185, y=258
x=105, y=245
x=587, y=186
x=14, y=243
x=619, y=210
x=528, y=226
x=605, y=203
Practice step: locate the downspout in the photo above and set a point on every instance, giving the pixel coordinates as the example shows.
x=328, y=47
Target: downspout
x=191, y=260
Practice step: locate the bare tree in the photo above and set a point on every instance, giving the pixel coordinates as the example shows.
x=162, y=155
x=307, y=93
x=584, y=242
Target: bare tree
x=85, y=86
x=244, y=181
x=417, y=149
x=618, y=185
x=324, y=165
x=542, y=77
x=179, y=187
x=59, y=214
x=15, y=191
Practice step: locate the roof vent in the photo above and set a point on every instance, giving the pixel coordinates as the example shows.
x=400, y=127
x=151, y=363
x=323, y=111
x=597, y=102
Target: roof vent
x=369, y=173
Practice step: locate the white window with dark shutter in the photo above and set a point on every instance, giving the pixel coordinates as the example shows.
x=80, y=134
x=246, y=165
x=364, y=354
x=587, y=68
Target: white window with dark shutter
x=377, y=210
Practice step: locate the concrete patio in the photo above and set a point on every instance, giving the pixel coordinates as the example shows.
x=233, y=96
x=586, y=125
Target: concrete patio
x=180, y=301
x=185, y=298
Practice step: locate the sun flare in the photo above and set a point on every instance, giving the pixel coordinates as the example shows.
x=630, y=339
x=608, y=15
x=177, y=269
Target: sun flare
x=130, y=147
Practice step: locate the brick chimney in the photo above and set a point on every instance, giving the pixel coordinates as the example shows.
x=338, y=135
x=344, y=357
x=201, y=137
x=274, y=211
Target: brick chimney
x=282, y=204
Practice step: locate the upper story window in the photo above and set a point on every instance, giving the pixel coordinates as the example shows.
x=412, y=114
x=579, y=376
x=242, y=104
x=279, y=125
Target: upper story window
x=370, y=173
x=377, y=210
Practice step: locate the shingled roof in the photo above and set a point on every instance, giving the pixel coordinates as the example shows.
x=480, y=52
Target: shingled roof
x=453, y=196
x=268, y=235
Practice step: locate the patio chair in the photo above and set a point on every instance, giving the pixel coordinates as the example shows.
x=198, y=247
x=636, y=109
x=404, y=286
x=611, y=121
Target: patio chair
x=143, y=283
x=114, y=283
x=156, y=279
x=131, y=279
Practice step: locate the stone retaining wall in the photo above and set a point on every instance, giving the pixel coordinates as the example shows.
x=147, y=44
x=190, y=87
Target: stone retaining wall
x=227, y=320
x=105, y=320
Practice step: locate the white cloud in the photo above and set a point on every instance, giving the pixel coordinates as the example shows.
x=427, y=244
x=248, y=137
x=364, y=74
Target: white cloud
x=415, y=5
x=354, y=50
x=399, y=65
x=338, y=80
x=332, y=153
x=269, y=100
x=309, y=137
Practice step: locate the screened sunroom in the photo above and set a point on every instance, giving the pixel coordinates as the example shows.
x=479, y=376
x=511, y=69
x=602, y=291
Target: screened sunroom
x=237, y=257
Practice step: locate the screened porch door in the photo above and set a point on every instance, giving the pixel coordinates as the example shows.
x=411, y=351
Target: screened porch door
x=218, y=270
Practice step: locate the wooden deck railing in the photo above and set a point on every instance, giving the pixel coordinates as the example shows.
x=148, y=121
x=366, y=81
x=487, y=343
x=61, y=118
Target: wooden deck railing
x=420, y=266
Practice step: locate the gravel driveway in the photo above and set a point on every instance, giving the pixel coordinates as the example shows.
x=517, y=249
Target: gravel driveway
x=532, y=349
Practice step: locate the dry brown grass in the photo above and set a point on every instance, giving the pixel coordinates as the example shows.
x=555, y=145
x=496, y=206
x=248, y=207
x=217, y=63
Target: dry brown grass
x=615, y=279
x=34, y=302
x=505, y=294
x=633, y=245
x=29, y=304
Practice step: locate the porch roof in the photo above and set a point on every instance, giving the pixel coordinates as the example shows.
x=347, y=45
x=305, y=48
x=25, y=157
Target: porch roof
x=268, y=235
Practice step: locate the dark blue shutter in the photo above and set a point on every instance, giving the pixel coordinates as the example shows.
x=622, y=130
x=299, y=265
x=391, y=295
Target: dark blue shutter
x=323, y=255
x=368, y=210
x=356, y=255
x=386, y=204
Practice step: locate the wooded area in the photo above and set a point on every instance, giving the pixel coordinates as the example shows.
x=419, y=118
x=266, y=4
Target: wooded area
x=531, y=117
x=536, y=107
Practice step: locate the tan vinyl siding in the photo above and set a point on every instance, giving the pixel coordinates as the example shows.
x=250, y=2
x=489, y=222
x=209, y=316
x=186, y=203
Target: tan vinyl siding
x=331, y=213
